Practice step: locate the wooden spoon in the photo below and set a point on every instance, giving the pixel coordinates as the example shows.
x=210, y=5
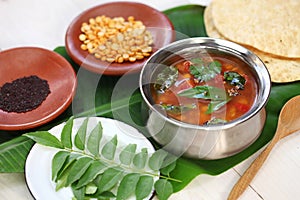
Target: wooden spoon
x=288, y=123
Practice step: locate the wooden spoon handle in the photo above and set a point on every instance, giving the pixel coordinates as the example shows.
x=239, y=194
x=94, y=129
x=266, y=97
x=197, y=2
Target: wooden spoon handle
x=250, y=173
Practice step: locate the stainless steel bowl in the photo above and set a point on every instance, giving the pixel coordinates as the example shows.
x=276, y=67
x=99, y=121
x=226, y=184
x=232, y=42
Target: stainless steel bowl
x=197, y=141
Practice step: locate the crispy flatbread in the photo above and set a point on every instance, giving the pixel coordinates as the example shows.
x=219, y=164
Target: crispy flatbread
x=280, y=69
x=272, y=26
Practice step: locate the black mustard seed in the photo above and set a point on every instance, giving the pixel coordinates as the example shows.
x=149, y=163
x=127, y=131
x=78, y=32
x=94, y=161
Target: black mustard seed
x=23, y=94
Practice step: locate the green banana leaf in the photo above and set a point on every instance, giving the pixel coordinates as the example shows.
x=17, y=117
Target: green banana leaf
x=96, y=97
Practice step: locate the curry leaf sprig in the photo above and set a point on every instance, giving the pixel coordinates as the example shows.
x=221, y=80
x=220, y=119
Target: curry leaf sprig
x=105, y=170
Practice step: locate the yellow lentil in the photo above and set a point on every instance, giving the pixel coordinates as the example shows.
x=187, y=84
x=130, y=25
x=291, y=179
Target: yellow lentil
x=115, y=39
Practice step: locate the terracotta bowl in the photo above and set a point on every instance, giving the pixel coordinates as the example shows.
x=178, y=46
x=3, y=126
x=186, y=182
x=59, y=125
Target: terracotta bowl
x=48, y=65
x=156, y=22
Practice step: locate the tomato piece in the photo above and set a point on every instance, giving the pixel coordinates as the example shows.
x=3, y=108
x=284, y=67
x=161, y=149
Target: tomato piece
x=184, y=67
x=242, y=107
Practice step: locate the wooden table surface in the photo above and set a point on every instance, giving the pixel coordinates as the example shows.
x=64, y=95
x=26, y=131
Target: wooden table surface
x=43, y=23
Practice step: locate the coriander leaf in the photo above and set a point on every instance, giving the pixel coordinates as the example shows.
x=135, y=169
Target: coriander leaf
x=94, y=138
x=157, y=158
x=144, y=187
x=109, y=149
x=127, y=154
x=58, y=162
x=109, y=179
x=163, y=188
x=166, y=79
x=127, y=186
x=45, y=138
x=140, y=159
x=78, y=169
x=91, y=173
x=80, y=136
x=66, y=134
x=234, y=78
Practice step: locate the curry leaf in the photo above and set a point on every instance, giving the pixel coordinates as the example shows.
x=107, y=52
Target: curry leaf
x=80, y=137
x=91, y=173
x=78, y=169
x=91, y=188
x=127, y=154
x=163, y=189
x=109, y=179
x=167, y=169
x=109, y=149
x=127, y=186
x=66, y=134
x=169, y=164
x=45, y=138
x=94, y=138
x=79, y=193
x=204, y=92
x=66, y=166
x=204, y=71
x=58, y=162
x=216, y=105
x=104, y=196
x=140, y=159
x=235, y=79
x=157, y=158
x=144, y=187
x=63, y=176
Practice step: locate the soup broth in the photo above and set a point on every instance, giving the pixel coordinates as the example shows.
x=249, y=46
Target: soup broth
x=214, y=89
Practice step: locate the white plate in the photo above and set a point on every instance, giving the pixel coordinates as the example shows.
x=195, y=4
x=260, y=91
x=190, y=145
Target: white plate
x=38, y=163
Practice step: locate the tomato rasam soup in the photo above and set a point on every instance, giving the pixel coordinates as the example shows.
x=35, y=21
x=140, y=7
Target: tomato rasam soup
x=206, y=89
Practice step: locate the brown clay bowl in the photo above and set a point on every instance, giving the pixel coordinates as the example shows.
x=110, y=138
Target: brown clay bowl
x=48, y=65
x=156, y=22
